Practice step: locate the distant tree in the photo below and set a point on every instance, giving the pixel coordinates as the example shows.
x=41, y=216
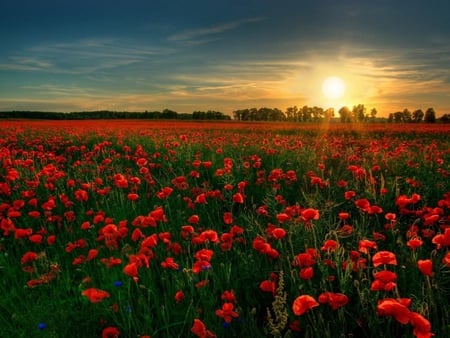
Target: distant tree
x=291, y=113
x=406, y=115
x=346, y=114
x=373, y=113
x=169, y=114
x=417, y=115
x=430, y=116
x=328, y=114
x=445, y=118
x=358, y=112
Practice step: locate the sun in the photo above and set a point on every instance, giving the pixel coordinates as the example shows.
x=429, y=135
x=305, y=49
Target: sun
x=333, y=87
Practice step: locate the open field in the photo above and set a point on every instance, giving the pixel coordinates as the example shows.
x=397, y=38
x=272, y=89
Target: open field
x=186, y=229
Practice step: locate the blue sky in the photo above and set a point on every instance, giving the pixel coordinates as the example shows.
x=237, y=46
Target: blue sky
x=137, y=55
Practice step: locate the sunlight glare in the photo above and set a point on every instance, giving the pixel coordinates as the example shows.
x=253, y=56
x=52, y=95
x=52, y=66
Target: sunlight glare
x=333, y=87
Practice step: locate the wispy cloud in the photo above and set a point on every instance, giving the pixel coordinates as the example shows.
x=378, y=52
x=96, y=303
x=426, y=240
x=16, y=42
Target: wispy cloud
x=206, y=34
x=81, y=56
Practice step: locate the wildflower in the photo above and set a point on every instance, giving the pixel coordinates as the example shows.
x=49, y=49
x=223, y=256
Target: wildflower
x=227, y=218
x=442, y=239
x=110, y=332
x=278, y=233
x=28, y=257
x=384, y=257
x=329, y=245
x=131, y=269
x=169, y=263
x=238, y=198
x=365, y=244
x=41, y=326
x=306, y=273
x=414, y=243
x=132, y=197
x=268, y=286
x=446, y=260
x=179, y=296
x=303, y=304
x=95, y=295
x=228, y=296
x=421, y=325
x=394, y=308
x=199, y=329
x=334, y=300
x=309, y=214
x=227, y=313
x=425, y=266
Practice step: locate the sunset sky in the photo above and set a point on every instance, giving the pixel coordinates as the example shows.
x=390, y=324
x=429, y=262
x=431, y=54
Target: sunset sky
x=136, y=55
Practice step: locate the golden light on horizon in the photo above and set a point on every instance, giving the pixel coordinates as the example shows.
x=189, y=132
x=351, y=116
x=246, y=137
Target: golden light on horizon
x=333, y=87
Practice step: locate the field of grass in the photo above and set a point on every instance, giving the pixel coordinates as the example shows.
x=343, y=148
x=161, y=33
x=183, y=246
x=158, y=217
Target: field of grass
x=182, y=229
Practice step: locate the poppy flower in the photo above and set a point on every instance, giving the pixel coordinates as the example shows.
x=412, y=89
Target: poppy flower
x=310, y=214
x=303, y=304
x=425, y=266
x=199, y=329
x=329, y=245
x=394, y=308
x=95, y=295
x=227, y=313
x=238, y=198
x=306, y=273
x=110, y=332
x=169, y=263
x=179, y=296
x=228, y=296
x=414, y=243
x=268, y=286
x=442, y=239
x=278, y=233
x=421, y=325
x=334, y=300
x=384, y=257
x=446, y=260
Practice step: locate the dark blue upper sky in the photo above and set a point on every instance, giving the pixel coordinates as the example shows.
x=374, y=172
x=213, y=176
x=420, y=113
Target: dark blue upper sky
x=223, y=55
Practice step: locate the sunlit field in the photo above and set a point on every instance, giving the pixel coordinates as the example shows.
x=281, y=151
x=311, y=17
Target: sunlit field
x=183, y=229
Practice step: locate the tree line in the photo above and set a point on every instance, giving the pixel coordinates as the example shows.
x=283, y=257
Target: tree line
x=358, y=113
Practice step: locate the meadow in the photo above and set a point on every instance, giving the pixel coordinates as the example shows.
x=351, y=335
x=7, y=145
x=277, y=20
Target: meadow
x=183, y=229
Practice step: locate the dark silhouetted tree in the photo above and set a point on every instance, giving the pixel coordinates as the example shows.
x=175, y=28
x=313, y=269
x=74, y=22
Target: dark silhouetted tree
x=430, y=116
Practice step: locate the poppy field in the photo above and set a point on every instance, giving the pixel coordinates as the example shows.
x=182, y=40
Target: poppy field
x=225, y=229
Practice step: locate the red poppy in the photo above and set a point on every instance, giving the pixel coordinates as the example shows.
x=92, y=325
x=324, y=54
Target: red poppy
x=442, y=239
x=179, y=296
x=310, y=214
x=110, y=332
x=384, y=257
x=446, y=260
x=329, y=245
x=421, y=325
x=95, y=295
x=227, y=313
x=131, y=269
x=169, y=263
x=306, y=273
x=228, y=296
x=199, y=329
x=278, y=233
x=304, y=259
x=392, y=307
x=414, y=243
x=28, y=257
x=238, y=198
x=334, y=300
x=132, y=197
x=425, y=266
x=268, y=286
x=227, y=217
x=303, y=304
